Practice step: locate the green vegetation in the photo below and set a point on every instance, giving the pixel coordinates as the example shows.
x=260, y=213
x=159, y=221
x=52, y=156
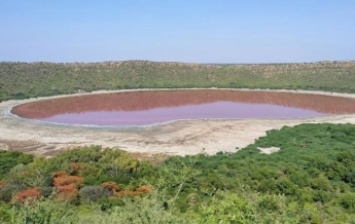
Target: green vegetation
x=310, y=180
x=24, y=80
x=9, y=159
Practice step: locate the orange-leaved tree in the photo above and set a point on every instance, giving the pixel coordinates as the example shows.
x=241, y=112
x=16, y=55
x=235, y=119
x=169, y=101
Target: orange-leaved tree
x=112, y=187
x=67, y=192
x=61, y=178
x=29, y=195
x=66, y=185
x=140, y=191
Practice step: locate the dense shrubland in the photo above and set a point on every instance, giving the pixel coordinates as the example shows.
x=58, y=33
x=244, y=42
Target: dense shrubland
x=24, y=80
x=310, y=180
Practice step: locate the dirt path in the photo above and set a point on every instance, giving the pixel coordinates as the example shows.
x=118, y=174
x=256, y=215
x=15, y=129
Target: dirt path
x=177, y=138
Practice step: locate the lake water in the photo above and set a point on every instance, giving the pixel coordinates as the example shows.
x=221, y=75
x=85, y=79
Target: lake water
x=151, y=107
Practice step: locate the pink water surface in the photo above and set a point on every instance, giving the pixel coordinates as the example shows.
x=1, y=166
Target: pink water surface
x=151, y=107
x=216, y=110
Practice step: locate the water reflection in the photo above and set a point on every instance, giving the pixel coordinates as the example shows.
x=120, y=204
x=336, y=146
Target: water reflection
x=157, y=106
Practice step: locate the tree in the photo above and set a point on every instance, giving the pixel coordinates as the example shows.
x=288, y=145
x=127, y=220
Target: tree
x=28, y=195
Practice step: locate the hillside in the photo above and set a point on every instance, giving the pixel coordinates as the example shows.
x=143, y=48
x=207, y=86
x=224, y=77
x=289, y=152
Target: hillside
x=310, y=180
x=24, y=80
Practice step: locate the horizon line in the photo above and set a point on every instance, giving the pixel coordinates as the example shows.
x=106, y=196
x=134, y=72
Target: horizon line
x=179, y=62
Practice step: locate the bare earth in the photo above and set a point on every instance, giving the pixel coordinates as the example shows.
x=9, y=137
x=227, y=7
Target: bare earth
x=176, y=138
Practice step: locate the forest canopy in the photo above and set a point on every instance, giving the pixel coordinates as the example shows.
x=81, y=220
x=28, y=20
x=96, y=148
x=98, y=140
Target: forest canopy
x=311, y=179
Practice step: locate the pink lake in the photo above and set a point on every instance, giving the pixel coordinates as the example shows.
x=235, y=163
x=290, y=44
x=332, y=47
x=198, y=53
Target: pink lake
x=153, y=107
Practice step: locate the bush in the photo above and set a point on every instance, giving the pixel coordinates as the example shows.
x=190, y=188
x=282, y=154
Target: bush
x=5, y=214
x=46, y=191
x=9, y=159
x=112, y=187
x=268, y=203
x=45, y=212
x=7, y=192
x=93, y=193
x=348, y=202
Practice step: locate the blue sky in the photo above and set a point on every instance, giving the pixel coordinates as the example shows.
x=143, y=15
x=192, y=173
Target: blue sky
x=206, y=31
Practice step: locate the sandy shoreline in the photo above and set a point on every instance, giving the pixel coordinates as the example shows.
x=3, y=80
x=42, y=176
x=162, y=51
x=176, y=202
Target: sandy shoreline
x=176, y=138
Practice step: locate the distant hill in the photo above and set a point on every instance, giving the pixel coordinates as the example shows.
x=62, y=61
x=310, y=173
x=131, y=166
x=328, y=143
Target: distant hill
x=23, y=80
